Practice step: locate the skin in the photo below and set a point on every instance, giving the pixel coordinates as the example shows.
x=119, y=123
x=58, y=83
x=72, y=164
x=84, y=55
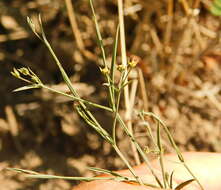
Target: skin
x=205, y=166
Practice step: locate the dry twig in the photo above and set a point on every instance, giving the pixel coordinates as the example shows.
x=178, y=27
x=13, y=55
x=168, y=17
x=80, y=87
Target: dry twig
x=13, y=127
x=126, y=89
x=76, y=31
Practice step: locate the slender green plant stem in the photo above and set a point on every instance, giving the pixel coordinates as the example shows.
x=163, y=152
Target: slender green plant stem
x=83, y=111
x=124, y=58
x=113, y=66
x=161, y=155
x=143, y=155
x=65, y=76
x=127, y=164
x=111, y=94
x=179, y=154
x=113, y=176
x=72, y=178
x=115, y=116
x=117, y=106
x=92, y=117
x=25, y=80
x=77, y=98
x=118, y=117
x=114, y=136
x=98, y=34
x=163, y=170
x=149, y=131
x=193, y=175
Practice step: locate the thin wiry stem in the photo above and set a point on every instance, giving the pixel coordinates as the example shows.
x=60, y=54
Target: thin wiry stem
x=100, y=43
x=143, y=155
x=81, y=108
x=178, y=152
x=77, y=98
x=128, y=164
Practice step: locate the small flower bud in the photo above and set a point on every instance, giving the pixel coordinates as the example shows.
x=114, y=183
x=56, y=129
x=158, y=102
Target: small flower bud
x=104, y=70
x=133, y=61
x=15, y=73
x=24, y=71
x=35, y=79
x=121, y=68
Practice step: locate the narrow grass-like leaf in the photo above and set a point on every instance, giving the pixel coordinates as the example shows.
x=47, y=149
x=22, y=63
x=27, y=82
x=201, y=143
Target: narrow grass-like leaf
x=74, y=98
x=63, y=73
x=115, y=176
x=167, y=179
x=126, y=83
x=28, y=87
x=171, y=179
x=178, y=152
x=158, y=137
x=100, y=40
x=184, y=184
x=101, y=45
x=149, y=130
x=114, y=55
x=23, y=171
x=93, y=124
x=141, y=152
x=159, y=145
x=104, y=171
x=33, y=174
x=113, y=64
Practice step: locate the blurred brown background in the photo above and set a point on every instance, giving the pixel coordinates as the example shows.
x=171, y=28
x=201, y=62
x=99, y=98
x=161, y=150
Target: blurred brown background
x=178, y=43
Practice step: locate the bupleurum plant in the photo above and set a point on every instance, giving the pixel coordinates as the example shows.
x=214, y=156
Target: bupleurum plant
x=115, y=91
